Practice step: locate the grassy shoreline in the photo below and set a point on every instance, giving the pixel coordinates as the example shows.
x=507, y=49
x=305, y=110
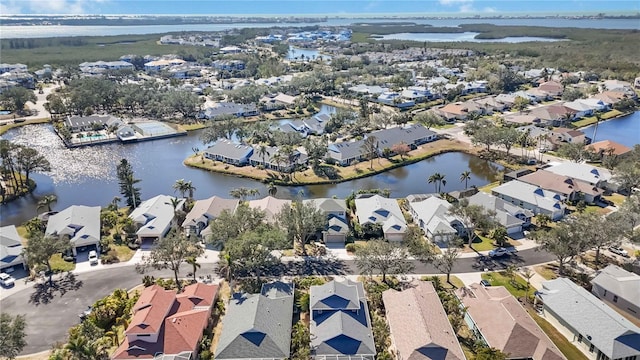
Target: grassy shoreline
x=346, y=173
x=9, y=126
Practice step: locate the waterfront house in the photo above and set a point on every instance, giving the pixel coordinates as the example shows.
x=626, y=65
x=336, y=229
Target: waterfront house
x=78, y=223
x=579, y=107
x=610, y=98
x=412, y=135
x=277, y=101
x=336, y=212
x=161, y=64
x=229, y=108
x=396, y=99
x=515, y=219
x=569, y=135
x=340, y=325
x=593, y=175
x=618, y=288
x=346, y=152
x=553, y=115
x=166, y=325
x=368, y=90
x=154, y=217
x=274, y=159
x=608, y=147
x=228, y=152
x=204, y=211
x=433, y=217
x=418, y=325
x=587, y=322
x=375, y=209
x=271, y=206
x=594, y=104
x=258, y=326
x=566, y=186
x=417, y=94
x=498, y=320
x=531, y=197
x=520, y=119
x=10, y=249
x=91, y=123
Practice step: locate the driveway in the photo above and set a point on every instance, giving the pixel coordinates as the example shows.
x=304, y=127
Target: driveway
x=50, y=312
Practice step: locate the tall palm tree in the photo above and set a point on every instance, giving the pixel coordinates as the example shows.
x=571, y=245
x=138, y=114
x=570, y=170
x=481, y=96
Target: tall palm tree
x=272, y=189
x=188, y=186
x=443, y=183
x=465, y=176
x=114, y=202
x=262, y=152
x=194, y=263
x=47, y=201
x=179, y=186
x=175, y=203
x=595, y=129
x=438, y=180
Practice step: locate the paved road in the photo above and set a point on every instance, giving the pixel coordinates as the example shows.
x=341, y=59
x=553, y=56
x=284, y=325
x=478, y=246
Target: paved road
x=50, y=312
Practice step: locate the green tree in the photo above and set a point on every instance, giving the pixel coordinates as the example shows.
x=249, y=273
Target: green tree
x=507, y=137
x=272, y=189
x=46, y=202
x=231, y=224
x=429, y=119
x=447, y=260
x=16, y=98
x=12, y=335
x=248, y=255
x=472, y=217
x=572, y=151
x=627, y=175
x=438, y=180
x=243, y=193
x=31, y=160
x=465, y=177
x=370, y=149
x=487, y=353
x=383, y=257
x=40, y=248
x=300, y=340
x=301, y=220
x=194, y=264
x=169, y=252
x=127, y=182
x=561, y=242
x=543, y=220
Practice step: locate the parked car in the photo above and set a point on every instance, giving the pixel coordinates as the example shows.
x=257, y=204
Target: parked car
x=499, y=252
x=618, y=251
x=7, y=280
x=93, y=257
x=485, y=283
x=83, y=315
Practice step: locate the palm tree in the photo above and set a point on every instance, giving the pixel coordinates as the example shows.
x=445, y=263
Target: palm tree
x=465, y=176
x=272, y=189
x=179, y=186
x=595, y=129
x=188, y=186
x=263, y=151
x=46, y=202
x=175, y=203
x=193, y=262
x=114, y=202
x=433, y=179
x=443, y=182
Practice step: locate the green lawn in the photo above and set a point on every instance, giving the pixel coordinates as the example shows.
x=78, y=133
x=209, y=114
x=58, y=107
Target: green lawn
x=487, y=188
x=482, y=243
x=617, y=199
x=567, y=348
x=59, y=265
x=124, y=253
x=547, y=271
x=455, y=281
x=517, y=289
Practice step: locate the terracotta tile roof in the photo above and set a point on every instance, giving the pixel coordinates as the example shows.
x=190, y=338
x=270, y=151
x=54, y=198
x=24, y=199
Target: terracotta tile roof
x=183, y=330
x=150, y=310
x=419, y=325
x=457, y=109
x=197, y=295
x=505, y=324
x=605, y=145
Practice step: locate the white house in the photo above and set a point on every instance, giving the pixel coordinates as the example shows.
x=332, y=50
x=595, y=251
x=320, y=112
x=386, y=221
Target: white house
x=513, y=218
x=433, y=217
x=336, y=212
x=154, y=217
x=375, y=209
x=79, y=223
x=593, y=175
x=531, y=197
x=10, y=248
x=206, y=210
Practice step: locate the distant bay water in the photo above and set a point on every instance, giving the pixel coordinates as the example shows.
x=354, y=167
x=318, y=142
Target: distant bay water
x=44, y=31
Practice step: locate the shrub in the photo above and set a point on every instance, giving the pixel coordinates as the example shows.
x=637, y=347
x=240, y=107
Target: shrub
x=134, y=245
x=351, y=247
x=110, y=258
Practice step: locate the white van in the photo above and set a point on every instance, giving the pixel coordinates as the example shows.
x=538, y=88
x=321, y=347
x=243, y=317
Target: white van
x=93, y=257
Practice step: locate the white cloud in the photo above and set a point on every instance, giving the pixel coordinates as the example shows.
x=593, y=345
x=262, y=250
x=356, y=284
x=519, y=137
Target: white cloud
x=466, y=8
x=10, y=8
x=51, y=6
x=489, y=9
x=454, y=2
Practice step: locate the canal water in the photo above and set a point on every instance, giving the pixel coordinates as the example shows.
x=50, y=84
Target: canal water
x=86, y=176
x=624, y=130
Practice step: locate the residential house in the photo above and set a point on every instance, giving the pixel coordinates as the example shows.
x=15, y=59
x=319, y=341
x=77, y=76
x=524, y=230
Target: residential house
x=472, y=107
x=553, y=88
x=154, y=217
x=538, y=95
x=593, y=175
x=453, y=111
x=316, y=124
x=78, y=223
x=610, y=98
x=433, y=217
x=542, y=136
x=608, y=147
x=274, y=159
x=498, y=320
x=569, y=135
x=507, y=99
x=620, y=86
x=229, y=108
x=515, y=219
x=618, y=288
x=595, y=104
x=336, y=212
x=412, y=135
x=368, y=89
x=91, y=122
x=12, y=67
x=277, y=101
x=375, y=209
x=581, y=109
x=417, y=94
x=10, y=249
x=553, y=115
x=166, y=325
x=347, y=152
x=531, y=197
x=230, y=50
x=204, y=211
x=491, y=104
x=271, y=206
x=396, y=99
x=512, y=175
x=258, y=326
x=158, y=65
x=228, y=65
x=419, y=326
x=229, y=152
x=340, y=325
x=566, y=186
x=521, y=118
x=588, y=323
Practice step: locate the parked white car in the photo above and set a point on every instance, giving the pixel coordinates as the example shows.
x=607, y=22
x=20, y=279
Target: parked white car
x=499, y=252
x=7, y=280
x=93, y=257
x=618, y=251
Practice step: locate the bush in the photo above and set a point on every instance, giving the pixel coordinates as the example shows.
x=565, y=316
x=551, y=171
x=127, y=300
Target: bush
x=351, y=247
x=206, y=355
x=134, y=245
x=110, y=258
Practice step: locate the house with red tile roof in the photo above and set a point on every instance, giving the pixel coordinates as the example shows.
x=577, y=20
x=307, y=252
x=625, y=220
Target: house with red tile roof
x=608, y=147
x=553, y=88
x=166, y=324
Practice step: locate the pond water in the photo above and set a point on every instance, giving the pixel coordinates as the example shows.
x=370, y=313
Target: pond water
x=296, y=53
x=624, y=130
x=86, y=176
x=459, y=37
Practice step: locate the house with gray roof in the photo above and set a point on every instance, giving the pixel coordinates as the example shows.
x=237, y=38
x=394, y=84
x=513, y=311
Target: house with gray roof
x=531, y=197
x=229, y=152
x=91, y=122
x=154, y=217
x=336, y=212
x=271, y=206
x=513, y=218
x=593, y=175
x=79, y=223
x=10, y=248
x=206, y=210
x=588, y=323
x=229, y=108
x=375, y=209
x=433, y=217
x=618, y=288
x=412, y=135
x=347, y=152
x=419, y=326
x=340, y=325
x=258, y=326
x=274, y=159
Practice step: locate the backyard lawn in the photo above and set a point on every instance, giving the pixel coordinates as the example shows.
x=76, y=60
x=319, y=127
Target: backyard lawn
x=59, y=265
x=517, y=288
x=480, y=243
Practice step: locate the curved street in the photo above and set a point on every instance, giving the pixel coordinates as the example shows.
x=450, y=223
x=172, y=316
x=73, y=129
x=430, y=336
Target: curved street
x=51, y=311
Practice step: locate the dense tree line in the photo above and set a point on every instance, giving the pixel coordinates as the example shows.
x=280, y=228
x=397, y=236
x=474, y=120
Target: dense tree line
x=17, y=163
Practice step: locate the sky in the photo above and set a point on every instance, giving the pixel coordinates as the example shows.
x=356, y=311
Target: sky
x=316, y=7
